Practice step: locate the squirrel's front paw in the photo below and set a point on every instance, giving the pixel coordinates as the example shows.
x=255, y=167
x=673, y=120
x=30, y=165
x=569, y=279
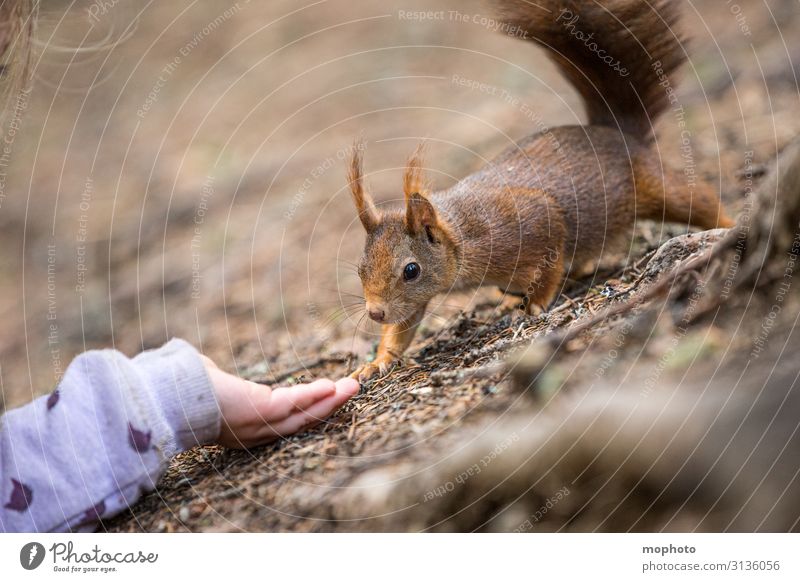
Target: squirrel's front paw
x=372, y=369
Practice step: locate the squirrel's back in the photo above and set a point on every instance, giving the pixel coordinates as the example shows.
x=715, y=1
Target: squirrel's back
x=621, y=56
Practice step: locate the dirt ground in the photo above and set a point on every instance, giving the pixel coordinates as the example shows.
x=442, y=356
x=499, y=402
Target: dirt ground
x=185, y=178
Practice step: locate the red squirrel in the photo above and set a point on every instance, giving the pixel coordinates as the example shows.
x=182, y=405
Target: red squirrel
x=557, y=200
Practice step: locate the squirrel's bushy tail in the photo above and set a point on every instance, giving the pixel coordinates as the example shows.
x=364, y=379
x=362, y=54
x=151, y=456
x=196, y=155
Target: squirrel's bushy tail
x=620, y=55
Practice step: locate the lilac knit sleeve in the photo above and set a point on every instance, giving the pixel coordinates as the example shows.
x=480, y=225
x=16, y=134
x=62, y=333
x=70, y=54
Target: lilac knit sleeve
x=104, y=436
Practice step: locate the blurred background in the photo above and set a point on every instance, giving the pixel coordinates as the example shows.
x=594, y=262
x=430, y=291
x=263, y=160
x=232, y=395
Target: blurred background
x=177, y=168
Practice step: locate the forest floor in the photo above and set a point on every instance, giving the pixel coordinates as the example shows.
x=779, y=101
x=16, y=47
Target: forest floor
x=459, y=379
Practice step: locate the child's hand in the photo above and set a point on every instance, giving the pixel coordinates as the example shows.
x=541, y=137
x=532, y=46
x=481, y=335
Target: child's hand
x=254, y=414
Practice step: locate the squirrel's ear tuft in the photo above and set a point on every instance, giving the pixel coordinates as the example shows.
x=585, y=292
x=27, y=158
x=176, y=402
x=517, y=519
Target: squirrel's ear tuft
x=420, y=215
x=367, y=212
x=414, y=176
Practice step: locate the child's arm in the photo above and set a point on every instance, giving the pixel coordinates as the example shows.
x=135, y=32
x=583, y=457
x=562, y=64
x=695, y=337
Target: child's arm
x=104, y=436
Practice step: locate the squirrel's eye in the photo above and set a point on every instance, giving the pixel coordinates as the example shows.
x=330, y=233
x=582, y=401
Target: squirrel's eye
x=411, y=271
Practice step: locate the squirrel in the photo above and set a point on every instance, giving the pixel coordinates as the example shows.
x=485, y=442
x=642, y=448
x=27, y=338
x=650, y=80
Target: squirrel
x=556, y=201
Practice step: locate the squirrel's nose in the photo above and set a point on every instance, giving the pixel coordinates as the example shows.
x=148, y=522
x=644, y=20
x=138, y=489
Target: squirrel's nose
x=376, y=313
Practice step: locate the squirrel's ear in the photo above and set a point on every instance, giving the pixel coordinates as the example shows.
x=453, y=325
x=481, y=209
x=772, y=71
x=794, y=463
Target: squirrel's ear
x=420, y=213
x=367, y=212
x=421, y=216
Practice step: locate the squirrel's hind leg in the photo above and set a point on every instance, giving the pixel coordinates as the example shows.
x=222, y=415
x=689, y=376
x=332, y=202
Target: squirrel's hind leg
x=542, y=281
x=539, y=267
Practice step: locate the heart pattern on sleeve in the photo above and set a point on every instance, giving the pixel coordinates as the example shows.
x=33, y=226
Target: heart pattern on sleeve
x=52, y=400
x=94, y=513
x=139, y=440
x=21, y=496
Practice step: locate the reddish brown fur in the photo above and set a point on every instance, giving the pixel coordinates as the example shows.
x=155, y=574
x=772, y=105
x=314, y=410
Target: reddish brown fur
x=631, y=34
x=548, y=206
x=365, y=207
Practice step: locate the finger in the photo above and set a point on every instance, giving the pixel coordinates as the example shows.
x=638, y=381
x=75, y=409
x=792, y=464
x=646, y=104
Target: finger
x=286, y=401
x=346, y=388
